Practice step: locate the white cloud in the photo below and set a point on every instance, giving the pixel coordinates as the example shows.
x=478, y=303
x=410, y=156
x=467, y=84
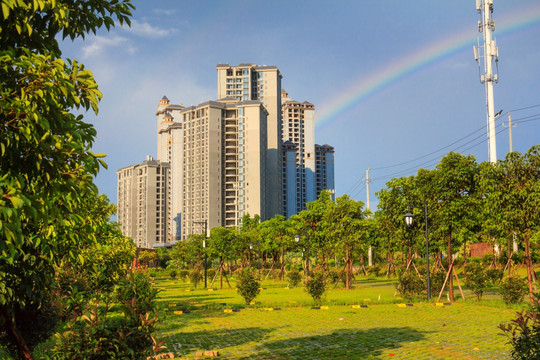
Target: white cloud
x=147, y=30
x=165, y=11
x=98, y=44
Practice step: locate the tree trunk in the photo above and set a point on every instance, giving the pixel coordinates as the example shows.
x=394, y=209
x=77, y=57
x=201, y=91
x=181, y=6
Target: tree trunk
x=449, y=262
x=347, y=268
x=221, y=272
x=16, y=338
x=528, y=261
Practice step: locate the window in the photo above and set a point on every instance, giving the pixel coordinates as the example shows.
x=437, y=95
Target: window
x=245, y=72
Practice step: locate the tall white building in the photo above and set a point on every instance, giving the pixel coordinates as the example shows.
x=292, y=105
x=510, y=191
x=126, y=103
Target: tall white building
x=263, y=83
x=142, y=202
x=170, y=143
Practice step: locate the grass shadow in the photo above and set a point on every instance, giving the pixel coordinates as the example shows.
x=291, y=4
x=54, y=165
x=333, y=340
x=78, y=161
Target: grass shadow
x=341, y=344
x=186, y=343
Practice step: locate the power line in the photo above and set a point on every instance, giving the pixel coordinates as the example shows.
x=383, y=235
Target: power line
x=525, y=108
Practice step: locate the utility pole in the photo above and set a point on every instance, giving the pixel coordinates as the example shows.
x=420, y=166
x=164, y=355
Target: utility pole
x=490, y=54
x=368, y=180
x=510, y=139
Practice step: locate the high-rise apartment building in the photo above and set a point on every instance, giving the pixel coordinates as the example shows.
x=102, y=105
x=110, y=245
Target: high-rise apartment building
x=298, y=132
x=324, y=173
x=223, y=163
x=142, y=202
x=253, y=82
x=170, y=143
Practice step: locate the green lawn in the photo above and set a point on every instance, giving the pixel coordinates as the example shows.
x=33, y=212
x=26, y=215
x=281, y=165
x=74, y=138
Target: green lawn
x=382, y=330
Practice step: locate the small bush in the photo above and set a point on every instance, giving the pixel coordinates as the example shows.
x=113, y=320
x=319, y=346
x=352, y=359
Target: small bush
x=524, y=333
x=375, y=270
x=173, y=274
x=96, y=335
x=333, y=276
x=513, y=289
x=152, y=273
x=247, y=284
x=409, y=285
x=294, y=278
x=195, y=277
x=475, y=278
x=183, y=274
x=436, y=280
x=210, y=273
x=493, y=276
x=315, y=285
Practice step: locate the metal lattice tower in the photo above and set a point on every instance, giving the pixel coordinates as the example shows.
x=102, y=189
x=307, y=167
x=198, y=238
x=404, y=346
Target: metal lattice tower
x=490, y=55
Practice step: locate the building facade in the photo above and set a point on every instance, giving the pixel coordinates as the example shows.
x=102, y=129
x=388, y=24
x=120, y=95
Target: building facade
x=324, y=169
x=263, y=83
x=143, y=201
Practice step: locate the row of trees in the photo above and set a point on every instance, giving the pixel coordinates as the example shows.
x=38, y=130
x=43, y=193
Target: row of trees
x=467, y=202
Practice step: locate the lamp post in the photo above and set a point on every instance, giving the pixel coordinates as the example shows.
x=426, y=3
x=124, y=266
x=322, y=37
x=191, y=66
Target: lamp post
x=205, y=266
x=205, y=223
x=409, y=221
x=297, y=239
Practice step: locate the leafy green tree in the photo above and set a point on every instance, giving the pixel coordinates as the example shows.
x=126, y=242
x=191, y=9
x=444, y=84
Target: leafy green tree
x=221, y=245
x=276, y=238
x=46, y=166
x=511, y=191
x=400, y=196
x=451, y=191
x=347, y=228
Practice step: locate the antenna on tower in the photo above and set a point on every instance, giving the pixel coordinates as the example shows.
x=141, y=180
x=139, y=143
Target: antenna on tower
x=490, y=54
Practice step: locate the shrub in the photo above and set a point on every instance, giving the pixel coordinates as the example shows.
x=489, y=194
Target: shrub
x=173, y=274
x=247, y=284
x=409, y=285
x=436, y=280
x=493, y=276
x=513, y=289
x=294, y=278
x=183, y=274
x=475, y=278
x=210, y=273
x=524, y=333
x=375, y=270
x=315, y=285
x=195, y=277
x=333, y=276
x=96, y=335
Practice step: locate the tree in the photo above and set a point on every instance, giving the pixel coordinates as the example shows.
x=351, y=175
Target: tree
x=511, y=189
x=346, y=227
x=451, y=191
x=46, y=165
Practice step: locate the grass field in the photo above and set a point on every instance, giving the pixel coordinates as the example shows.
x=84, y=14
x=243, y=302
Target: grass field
x=283, y=325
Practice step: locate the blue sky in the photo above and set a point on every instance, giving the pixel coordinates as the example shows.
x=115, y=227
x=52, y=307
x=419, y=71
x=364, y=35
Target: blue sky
x=408, y=64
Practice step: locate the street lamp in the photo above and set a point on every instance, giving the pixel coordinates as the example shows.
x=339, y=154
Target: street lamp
x=205, y=266
x=297, y=239
x=408, y=218
x=409, y=221
x=205, y=223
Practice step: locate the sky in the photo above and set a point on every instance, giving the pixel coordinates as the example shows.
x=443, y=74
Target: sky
x=394, y=83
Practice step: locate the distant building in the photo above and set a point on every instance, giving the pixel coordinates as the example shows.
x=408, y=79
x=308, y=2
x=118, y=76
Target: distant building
x=142, y=202
x=324, y=169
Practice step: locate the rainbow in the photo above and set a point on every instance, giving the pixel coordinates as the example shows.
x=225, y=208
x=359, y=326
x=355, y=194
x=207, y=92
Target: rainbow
x=405, y=67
